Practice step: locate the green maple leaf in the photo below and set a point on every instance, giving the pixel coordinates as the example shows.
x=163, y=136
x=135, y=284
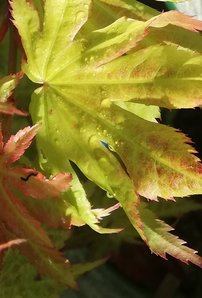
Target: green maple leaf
x=88, y=74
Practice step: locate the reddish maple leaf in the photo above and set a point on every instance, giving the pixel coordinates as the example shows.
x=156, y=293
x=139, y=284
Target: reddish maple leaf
x=15, y=217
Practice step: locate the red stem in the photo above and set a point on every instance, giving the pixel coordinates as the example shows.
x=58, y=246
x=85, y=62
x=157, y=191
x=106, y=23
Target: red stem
x=12, y=66
x=4, y=27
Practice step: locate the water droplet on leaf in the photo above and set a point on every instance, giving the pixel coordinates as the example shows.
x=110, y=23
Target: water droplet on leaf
x=106, y=102
x=109, y=195
x=80, y=15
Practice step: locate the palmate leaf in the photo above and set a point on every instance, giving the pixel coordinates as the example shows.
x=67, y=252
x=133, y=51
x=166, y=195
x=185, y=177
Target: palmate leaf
x=17, y=220
x=86, y=78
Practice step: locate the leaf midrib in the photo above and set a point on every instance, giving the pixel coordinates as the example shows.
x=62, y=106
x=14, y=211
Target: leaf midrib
x=77, y=82
x=108, y=124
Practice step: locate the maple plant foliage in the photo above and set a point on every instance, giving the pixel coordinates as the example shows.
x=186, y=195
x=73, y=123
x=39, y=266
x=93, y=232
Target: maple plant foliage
x=103, y=69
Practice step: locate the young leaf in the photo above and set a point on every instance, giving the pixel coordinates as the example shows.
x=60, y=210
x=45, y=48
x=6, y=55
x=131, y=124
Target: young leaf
x=7, y=85
x=16, y=218
x=37, y=185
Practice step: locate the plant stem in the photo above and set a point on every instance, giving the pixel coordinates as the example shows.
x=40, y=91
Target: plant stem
x=12, y=66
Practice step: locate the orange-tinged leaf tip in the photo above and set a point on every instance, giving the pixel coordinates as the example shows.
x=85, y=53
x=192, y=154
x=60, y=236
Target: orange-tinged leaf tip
x=176, y=18
x=162, y=242
x=18, y=143
x=20, y=75
x=9, y=108
x=106, y=212
x=11, y=243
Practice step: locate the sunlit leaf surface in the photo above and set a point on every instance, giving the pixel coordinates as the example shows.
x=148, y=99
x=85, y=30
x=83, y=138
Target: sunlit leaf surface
x=94, y=81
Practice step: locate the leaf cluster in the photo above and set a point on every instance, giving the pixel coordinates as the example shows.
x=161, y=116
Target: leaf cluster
x=102, y=70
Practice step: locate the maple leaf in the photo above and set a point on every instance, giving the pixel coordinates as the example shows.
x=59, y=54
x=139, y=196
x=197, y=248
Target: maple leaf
x=14, y=215
x=7, y=85
x=36, y=184
x=87, y=79
x=134, y=9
